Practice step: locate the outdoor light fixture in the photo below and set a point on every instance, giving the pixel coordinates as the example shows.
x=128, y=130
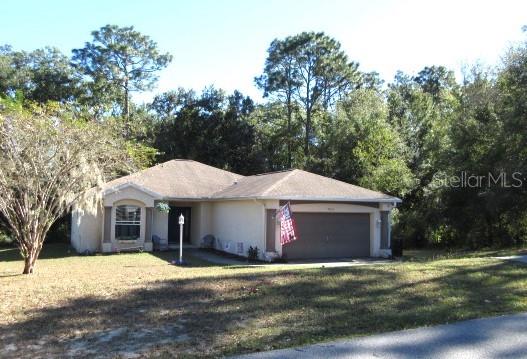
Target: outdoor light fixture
x=181, y=223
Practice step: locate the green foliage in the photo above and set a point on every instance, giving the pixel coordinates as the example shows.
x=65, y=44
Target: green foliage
x=143, y=156
x=40, y=76
x=163, y=207
x=321, y=114
x=307, y=72
x=365, y=148
x=213, y=128
x=277, y=141
x=5, y=239
x=60, y=231
x=118, y=61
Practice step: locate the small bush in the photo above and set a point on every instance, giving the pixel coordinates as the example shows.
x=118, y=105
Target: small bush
x=5, y=240
x=208, y=242
x=397, y=247
x=282, y=259
x=252, y=253
x=59, y=231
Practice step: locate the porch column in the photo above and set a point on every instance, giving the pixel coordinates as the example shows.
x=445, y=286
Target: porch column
x=148, y=228
x=385, y=230
x=107, y=231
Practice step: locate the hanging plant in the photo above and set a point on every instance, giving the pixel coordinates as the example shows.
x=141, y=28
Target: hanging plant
x=163, y=207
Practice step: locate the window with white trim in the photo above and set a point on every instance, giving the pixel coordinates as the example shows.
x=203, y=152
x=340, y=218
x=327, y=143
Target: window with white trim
x=127, y=223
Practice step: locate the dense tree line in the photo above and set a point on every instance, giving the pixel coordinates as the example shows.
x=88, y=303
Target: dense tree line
x=410, y=137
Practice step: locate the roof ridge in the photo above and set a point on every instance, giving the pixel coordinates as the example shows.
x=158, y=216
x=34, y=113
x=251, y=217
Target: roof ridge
x=273, y=172
x=273, y=186
x=204, y=165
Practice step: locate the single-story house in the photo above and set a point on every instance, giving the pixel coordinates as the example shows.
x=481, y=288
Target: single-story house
x=333, y=218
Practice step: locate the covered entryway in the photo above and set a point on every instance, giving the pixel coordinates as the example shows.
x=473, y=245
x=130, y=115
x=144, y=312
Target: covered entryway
x=330, y=235
x=173, y=224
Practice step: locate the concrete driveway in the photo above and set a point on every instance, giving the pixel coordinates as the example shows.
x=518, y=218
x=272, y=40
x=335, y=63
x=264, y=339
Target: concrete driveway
x=521, y=259
x=498, y=337
x=217, y=258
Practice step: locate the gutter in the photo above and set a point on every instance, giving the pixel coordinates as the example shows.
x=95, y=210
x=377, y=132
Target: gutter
x=284, y=198
x=157, y=196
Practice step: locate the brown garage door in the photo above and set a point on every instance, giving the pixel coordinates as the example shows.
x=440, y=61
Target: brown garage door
x=330, y=235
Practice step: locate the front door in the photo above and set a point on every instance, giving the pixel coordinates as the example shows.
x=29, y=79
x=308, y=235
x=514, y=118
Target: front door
x=173, y=224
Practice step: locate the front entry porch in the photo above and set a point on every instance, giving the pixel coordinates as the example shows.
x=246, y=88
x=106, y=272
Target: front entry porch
x=174, y=227
x=131, y=220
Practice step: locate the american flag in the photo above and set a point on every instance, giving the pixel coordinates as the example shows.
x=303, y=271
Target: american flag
x=287, y=225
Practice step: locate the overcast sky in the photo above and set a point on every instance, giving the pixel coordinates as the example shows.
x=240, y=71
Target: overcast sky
x=224, y=43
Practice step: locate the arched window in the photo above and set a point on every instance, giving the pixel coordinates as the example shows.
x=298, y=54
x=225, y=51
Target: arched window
x=127, y=223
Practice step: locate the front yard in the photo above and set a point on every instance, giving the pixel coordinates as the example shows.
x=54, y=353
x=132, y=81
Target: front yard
x=129, y=304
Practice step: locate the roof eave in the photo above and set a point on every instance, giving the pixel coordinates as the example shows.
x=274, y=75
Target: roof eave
x=313, y=198
x=158, y=196
x=143, y=189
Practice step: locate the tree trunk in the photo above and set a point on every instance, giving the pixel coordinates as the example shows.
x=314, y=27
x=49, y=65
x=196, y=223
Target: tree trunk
x=127, y=109
x=289, y=134
x=126, y=103
x=308, y=133
x=32, y=256
x=308, y=107
x=29, y=264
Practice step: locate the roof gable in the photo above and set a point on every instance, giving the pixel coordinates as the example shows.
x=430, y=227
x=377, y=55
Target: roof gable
x=129, y=191
x=179, y=179
x=125, y=185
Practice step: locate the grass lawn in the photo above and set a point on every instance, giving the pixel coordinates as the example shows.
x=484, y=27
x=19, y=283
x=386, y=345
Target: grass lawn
x=420, y=255
x=116, y=305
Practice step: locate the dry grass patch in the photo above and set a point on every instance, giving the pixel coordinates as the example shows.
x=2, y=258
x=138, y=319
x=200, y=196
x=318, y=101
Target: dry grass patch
x=132, y=304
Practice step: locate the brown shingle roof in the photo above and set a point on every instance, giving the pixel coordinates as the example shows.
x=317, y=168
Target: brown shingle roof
x=179, y=179
x=188, y=179
x=298, y=184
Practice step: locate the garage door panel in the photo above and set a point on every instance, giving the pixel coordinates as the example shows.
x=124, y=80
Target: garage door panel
x=326, y=235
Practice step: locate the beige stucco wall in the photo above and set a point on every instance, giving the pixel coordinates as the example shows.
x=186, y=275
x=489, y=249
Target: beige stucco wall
x=160, y=225
x=205, y=220
x=231, y=222
x=195, y=214
x=86, y=224
x=236, y=222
